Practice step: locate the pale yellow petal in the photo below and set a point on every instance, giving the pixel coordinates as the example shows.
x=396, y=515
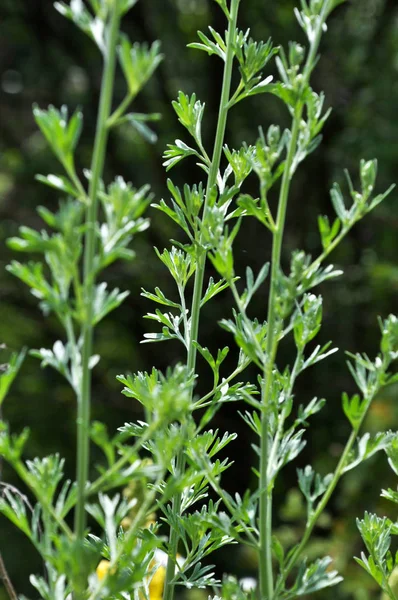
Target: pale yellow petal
x=102, y=569
x=157, y=584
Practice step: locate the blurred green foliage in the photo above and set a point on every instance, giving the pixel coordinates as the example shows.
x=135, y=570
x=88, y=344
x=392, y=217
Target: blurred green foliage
x=44, y=59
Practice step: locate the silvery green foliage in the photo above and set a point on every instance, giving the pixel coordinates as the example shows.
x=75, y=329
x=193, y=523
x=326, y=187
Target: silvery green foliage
x=209, y=215
x=183, y=459
x=66, y=280
x=381, y=560
x=8, y=372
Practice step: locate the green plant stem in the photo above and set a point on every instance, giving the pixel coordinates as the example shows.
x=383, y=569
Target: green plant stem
x=78, y=290
x=265, y=508
x=319, y=510
x=119, y=112
x=265, y=504
x=220, y=492
x=97, y=486
x=23, y=473
x=283, y=415
x=200, y=270
x=325, y=498
x=71, y=171
x=181, y=293
x=83, y=422
x=7, y=581
x=203, y=401
x=70, y=333
x=390, y=591
x=129, y=538
x=100, y=484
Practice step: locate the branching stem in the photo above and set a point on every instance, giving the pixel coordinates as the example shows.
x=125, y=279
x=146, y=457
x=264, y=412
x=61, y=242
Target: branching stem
x=129, y=538
x=119, y=112
x=23, y=473
x=319, y=510
x=251, y=538
x=204, y=400
x=325, y=498
x=265, y=508
x=200, y=268
x=101, y=137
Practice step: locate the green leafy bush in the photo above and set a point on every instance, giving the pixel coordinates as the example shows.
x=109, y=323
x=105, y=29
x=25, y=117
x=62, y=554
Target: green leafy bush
x=168, y=462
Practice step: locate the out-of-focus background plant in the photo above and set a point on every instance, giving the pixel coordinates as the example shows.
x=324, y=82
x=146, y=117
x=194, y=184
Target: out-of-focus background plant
x=40, y=61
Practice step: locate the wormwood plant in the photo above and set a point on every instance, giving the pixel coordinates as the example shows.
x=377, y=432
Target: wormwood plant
x=376, y=532
x=118, y=557
x=210, y=215
x=92, y=228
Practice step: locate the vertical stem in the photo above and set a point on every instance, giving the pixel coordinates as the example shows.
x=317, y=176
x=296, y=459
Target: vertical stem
x=200, y=268
x=265, y=502
x=294, y=557
x=48, y=531
x=322, y=504
x=212, y=179
x=129, y=538
x=265, y=509
x=7, y=581
x=97, y=165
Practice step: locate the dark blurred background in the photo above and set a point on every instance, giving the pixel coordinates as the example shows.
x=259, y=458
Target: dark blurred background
x=45, y=59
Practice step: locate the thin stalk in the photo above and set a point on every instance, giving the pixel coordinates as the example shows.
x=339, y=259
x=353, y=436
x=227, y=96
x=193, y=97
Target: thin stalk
x=97, y=486
x=217, y=488
x=203, y=401
x=283, y=415
x=319, y=510
x=102, y=483
x=265, y=508
x=130, y=536
x=119, y=112
x=7, y=581
x=325, y=498
x=70, y=333
x=265, y=504
x=236, y=94
x=70, y=169
x=78, y=290
x=181, y=293
x=23, y=473
x=97, y=166
x=390, y=591
x=200, y=269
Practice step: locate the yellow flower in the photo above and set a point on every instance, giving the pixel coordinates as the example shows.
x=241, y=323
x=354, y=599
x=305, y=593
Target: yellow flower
x=102, y=569
x=156, y=584
x=157, y=566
